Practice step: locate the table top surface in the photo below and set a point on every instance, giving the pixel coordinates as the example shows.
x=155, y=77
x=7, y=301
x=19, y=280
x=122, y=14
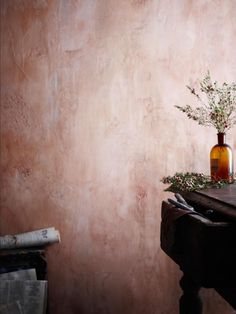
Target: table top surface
x=225, y=195
x=221, y=200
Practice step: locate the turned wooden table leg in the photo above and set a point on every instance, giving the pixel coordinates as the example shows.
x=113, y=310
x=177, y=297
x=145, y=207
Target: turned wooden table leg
x=190, y=302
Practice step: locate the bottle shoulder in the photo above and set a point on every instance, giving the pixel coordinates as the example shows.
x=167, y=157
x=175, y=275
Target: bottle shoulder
x=220, y=150
x=223, y=146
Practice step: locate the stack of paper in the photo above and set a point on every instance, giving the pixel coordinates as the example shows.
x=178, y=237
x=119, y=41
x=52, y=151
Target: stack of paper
x=22, y=293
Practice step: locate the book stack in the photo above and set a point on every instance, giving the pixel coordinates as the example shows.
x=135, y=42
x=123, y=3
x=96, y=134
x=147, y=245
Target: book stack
x=23, y=273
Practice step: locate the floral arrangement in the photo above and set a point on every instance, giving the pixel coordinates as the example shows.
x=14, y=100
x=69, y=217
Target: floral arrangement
x=218, y=105
x=190, y=181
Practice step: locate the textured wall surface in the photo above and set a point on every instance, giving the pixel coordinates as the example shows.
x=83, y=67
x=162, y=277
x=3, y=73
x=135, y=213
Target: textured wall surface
x=88, y=128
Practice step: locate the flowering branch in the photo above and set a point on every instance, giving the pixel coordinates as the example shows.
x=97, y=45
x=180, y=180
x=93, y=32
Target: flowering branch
x=219, y=107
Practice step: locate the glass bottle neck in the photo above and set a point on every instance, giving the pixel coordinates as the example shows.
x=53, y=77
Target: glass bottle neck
x=221, y=138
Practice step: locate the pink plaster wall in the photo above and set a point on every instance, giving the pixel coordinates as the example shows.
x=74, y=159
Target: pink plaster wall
x=89, y=128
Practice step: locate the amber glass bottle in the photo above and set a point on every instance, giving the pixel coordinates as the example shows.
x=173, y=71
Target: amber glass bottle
x=221, y=159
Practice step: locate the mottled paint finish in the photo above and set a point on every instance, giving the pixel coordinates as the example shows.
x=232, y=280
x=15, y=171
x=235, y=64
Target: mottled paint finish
x=89, y=128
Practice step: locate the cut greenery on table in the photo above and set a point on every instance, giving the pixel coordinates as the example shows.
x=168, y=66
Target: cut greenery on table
x=190, y=181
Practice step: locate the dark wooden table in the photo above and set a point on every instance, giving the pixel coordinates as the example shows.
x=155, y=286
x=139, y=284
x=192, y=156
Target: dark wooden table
x=12, y=260
x=203, y=244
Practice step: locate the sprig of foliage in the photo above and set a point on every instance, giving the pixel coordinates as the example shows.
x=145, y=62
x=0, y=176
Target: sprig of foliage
x=190, y=181
x=218, y=105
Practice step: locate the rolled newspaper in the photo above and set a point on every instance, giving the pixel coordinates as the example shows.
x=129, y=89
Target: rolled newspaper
x=28, y=239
